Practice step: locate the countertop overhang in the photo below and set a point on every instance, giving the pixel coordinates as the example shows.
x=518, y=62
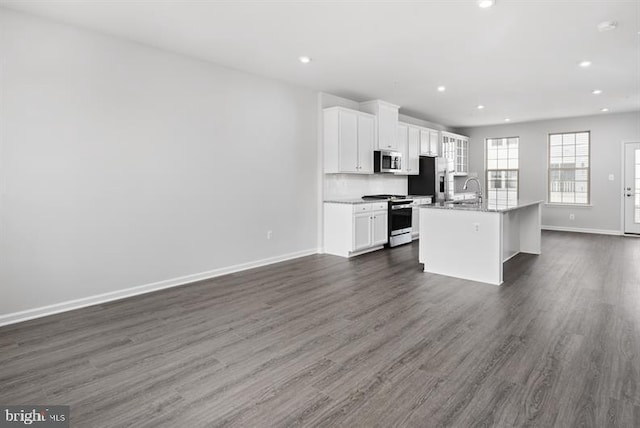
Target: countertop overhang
x=354, y=201
x=487, y=206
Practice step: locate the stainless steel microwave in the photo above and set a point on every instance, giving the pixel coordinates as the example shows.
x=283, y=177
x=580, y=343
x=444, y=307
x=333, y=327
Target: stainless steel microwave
x=387, y=161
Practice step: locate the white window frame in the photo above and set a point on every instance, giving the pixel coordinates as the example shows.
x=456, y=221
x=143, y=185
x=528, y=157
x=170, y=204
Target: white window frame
x=487, y=169
x=549, y=171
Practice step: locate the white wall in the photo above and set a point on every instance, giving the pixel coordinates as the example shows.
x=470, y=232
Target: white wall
x=123, y=165
x=608, y=131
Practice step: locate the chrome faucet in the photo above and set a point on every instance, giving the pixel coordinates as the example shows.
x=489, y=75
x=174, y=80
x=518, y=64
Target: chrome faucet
x=479, y=192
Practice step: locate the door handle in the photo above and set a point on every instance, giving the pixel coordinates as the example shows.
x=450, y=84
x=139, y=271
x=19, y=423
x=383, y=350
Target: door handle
x=629, y=195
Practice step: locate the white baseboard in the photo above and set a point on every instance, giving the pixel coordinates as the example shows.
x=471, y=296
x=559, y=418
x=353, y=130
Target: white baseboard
x=44, y=311
x=582, y=230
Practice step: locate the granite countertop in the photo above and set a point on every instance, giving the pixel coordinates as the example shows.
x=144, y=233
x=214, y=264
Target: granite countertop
x=369, y=201
x=353, y=201
x=486, y=206
x=419, y=196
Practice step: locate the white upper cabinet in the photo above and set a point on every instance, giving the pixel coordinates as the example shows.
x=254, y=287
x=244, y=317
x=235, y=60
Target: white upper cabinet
x=403, y=145
x=409, y=145
x=412, y=160
x=456, y=147
x=429, y=142
x=387, y=115
x=366, y=139
x=349, y=137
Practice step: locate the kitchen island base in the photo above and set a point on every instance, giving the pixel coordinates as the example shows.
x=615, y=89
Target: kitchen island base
x=473, y=244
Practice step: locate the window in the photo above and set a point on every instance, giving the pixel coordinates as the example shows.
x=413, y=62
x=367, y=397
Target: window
x=502, y=170
x=569, y=165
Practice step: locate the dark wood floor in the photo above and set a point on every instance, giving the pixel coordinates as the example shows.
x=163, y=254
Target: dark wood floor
x=372, y=341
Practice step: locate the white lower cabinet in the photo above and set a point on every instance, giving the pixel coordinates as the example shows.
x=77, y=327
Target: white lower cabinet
x=362, y=236
x=351, y=229
x=379, y=225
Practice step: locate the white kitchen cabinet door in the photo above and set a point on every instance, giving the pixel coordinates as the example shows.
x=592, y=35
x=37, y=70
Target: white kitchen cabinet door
x=349, y=138
x=348, y=129
x=429, y=142
x=425, y=142
x=456, y=148
x=379, y=227
x=403, y=146
x=388, y=117
x=362, y=231
x=412, y=158
x=434, y=142
x=366, y=140
x=387, y=123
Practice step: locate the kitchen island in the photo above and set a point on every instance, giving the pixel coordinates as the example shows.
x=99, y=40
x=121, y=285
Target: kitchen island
x=471, y=241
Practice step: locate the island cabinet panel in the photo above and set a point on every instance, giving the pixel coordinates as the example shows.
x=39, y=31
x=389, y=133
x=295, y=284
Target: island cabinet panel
x=474, y=242
x=464, y=244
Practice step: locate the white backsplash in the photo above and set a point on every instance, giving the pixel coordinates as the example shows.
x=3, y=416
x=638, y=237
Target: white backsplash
x=337, y=186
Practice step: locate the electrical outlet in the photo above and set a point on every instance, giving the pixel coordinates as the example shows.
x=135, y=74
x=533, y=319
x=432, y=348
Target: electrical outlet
x=611, y=177
x=476, y=227
x=269, y=234
x=572, y=216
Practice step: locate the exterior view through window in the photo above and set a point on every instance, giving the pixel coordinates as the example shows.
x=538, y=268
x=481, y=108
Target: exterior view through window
x=569, y=168
x=502, y=170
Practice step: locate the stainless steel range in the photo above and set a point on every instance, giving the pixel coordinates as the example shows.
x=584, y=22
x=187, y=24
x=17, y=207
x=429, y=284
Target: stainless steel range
x=400, y=211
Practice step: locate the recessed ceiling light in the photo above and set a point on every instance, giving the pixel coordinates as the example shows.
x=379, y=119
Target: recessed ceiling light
x=596, y=91
x=480, y=107
x=604, y=110
x=584, y=64
x=441, y=89
x=607, y=26
x=485, y=3
x=507, y=120
x=304, y=59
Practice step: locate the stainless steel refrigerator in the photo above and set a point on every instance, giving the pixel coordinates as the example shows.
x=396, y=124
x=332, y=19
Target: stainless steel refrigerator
x=435, y=179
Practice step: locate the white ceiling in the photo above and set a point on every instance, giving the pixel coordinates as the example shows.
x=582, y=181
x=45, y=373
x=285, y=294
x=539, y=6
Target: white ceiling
x=519, y=58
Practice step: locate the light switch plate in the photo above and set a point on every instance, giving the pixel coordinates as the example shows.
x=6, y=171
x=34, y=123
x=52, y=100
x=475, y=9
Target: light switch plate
x=611, y=177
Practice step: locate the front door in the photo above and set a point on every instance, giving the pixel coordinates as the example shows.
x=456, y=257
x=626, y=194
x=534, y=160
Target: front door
x=632, y=188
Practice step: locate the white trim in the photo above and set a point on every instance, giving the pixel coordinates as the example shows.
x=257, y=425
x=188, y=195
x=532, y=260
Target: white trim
x=69, y=305
x=583, y=230
x=464, y=277
x=320, y=172
x=511, y=256
x=561, y=205
x=623, y=176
